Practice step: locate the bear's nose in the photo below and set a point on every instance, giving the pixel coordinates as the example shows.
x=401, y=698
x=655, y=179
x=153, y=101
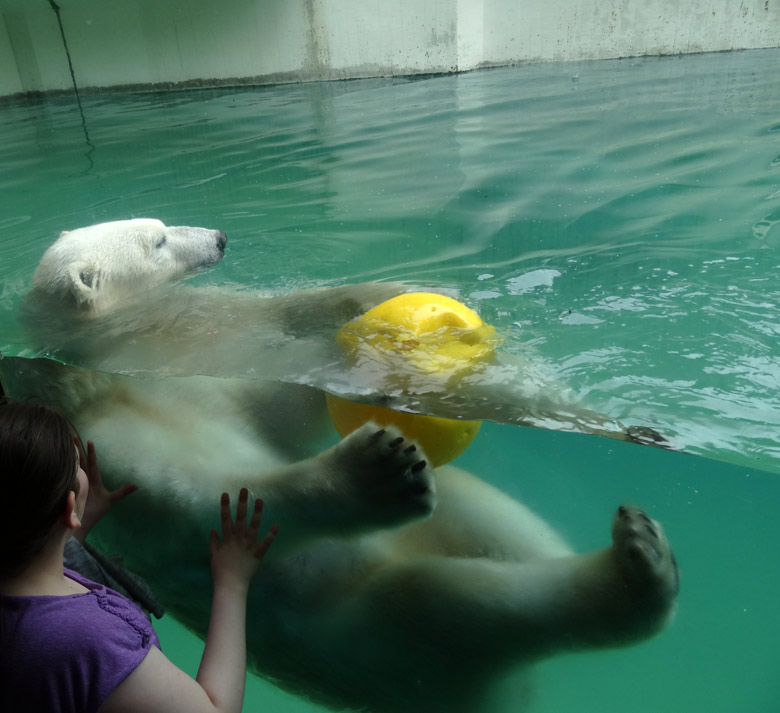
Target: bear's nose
x=221, y=240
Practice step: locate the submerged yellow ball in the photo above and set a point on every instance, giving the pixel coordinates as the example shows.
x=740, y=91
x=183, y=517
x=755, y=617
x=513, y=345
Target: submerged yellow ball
x=416, y=336
x=442, y=439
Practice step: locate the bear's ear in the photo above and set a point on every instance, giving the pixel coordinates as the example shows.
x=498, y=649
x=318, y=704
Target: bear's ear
x=83, y=281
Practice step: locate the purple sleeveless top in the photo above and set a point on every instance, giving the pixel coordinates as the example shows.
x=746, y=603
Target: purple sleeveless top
x=66, y=654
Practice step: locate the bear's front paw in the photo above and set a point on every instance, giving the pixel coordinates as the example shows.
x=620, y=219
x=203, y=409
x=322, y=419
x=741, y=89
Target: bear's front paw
x=644, y=556
x=388, y=475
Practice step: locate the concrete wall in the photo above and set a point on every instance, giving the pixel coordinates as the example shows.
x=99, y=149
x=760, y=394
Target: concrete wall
x=142, y=42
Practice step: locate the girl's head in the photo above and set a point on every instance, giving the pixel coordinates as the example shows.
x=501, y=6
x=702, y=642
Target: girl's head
x=39, y=464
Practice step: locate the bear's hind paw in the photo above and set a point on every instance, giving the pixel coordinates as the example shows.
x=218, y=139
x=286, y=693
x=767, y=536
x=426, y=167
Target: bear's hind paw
x=644, y=555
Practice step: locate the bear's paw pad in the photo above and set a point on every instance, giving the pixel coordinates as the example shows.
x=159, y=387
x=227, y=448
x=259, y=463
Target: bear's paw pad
x=389, y=471
x=643, y=552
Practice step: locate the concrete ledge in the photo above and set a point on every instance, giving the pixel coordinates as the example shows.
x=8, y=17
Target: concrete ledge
x=116, y=43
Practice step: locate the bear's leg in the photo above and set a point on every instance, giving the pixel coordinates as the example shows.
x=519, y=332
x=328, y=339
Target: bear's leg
x=502, y=613
x=371, y=480
x=475, y=519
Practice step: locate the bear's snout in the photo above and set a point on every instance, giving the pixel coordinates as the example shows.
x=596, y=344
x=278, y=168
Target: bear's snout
x=221, y=241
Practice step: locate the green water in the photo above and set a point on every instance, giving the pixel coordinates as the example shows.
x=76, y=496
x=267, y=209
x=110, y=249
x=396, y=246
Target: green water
x=618, y=221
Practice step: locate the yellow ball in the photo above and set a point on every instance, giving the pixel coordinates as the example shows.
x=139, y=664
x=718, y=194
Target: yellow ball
x=442, y=439
x=424, y=331
x=416, y=337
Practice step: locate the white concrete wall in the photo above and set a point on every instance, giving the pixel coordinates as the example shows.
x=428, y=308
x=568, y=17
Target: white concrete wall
x=130, y=42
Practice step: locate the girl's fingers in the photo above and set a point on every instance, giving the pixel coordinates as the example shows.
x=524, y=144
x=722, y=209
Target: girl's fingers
x=245, y=537
x=123, y=492
x=240, y=528
x=91, y=455
x=262, y=547
x=227, y=521
x=254, y=525
x=213, y=541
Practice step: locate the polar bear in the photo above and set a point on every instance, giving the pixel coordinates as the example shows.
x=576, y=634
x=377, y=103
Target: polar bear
x=391, y=588
x=97, y=268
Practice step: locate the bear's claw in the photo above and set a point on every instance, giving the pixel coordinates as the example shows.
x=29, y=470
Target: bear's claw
x=389, y=476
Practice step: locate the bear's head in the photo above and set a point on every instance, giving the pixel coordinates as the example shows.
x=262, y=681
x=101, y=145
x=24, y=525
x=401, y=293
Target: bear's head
x=97, y=268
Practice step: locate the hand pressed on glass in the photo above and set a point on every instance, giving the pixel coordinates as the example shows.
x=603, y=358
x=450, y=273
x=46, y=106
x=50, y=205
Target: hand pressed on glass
x=238, y=555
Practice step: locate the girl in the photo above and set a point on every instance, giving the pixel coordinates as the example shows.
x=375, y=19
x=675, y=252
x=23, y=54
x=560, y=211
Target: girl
x=70, y=645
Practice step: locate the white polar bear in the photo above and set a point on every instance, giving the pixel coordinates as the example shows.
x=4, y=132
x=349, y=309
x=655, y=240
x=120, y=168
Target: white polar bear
x=390, y=588
x=97, y=268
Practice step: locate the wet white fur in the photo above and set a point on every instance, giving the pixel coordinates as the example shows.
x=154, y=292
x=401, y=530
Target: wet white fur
x=391, y=588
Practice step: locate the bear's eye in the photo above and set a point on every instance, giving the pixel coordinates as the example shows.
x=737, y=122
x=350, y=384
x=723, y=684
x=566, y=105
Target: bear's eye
x=160, y=242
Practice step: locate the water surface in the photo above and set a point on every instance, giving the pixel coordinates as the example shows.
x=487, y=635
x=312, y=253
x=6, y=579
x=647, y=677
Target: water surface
x=617, y=221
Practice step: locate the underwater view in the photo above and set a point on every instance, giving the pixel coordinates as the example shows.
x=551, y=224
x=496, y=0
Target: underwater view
x=617, y=222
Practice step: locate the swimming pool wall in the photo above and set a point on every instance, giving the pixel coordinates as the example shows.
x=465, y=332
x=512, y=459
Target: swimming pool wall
x=48, y=45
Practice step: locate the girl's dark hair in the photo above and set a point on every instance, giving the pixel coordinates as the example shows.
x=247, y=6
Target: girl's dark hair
x=38, y=468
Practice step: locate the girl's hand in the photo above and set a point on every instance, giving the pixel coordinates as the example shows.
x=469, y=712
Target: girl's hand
x=156, y=684
x=99, y=499
x=237, y=557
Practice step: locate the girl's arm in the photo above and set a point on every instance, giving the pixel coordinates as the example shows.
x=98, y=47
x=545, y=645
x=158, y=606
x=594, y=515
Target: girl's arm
x=157, y=685
x=234, y=561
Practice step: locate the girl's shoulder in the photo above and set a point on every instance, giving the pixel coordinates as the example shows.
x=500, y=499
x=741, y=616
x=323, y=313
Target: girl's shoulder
x=93, y=640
